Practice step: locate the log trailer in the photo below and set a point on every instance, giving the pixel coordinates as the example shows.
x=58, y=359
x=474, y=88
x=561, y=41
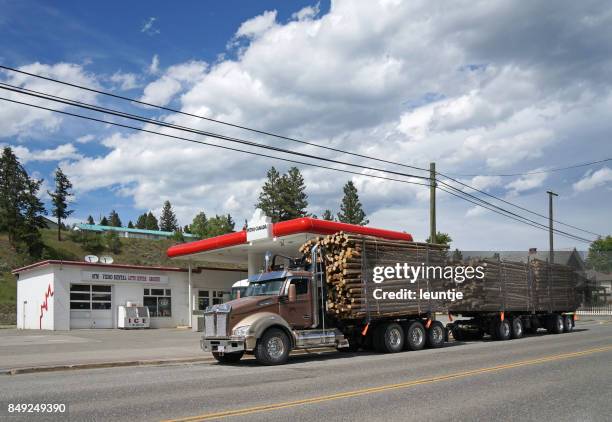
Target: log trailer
x=285, y=309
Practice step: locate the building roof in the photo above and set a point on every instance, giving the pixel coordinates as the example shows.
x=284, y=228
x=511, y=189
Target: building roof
x=99, y=228
x=281, y=229
x=45, y=263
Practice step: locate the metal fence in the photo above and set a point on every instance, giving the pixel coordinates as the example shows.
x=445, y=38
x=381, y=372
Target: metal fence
x=595, y=310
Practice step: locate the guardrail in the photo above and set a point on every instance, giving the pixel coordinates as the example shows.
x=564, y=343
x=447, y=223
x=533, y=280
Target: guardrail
x=595, y=310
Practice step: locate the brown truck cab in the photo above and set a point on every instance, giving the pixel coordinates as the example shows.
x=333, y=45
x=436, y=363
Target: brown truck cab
x=280, y=311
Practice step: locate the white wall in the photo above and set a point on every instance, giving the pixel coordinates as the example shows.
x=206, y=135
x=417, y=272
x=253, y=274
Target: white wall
x=32, y=290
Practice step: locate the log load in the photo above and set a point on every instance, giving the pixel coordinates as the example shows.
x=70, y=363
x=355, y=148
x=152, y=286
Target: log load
x=349, y=261
x=554, y=286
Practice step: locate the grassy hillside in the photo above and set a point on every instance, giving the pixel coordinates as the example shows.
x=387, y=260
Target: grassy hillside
x=133, y=251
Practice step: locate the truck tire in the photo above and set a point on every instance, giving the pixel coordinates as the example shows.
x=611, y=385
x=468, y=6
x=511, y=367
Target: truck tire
x=555, y=324
x=273, y=347
x=228, y=357
x=518, y=329
x=568, y=324
x=502, y=330
x=415, y=336
x=392, y=338
x=436, y=335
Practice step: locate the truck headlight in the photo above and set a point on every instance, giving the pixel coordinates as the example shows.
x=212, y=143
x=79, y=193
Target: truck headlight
x=241, y=331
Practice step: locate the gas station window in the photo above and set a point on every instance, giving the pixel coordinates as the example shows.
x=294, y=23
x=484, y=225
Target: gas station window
x=159, y=302
x=203, y=299
x=86, y=297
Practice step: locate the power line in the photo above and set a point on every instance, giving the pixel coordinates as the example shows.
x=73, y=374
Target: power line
x=75, y=103
x=510, y=212
x=537, y=225
x=513, y=204
x=590, y=163
x=231, y=139
x=206, y=143
x=261, y=132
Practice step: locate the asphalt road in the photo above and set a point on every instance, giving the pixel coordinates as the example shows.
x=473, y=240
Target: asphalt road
x=544, y=377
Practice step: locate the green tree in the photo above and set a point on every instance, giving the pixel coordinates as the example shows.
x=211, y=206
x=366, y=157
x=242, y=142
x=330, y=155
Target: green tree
x=178, y=236
x=92, y=243
x=441, y=239
x=600, y=254
x=199, y=225
x=90, y=220
x=114, y=220
x=351, y=210
x=112, y=241
x=59, y=199
x=130, y=224
x=219, y=224
x=104, y=221
x=283, y=197
x=141, y=221
x=151, y=222
x=457, y=256
x=21, y=211
x=167, y=220
x=328, y=215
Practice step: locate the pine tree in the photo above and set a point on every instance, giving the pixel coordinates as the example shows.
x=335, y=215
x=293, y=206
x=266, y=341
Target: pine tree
x=114, y=220
x=441, y=238
x=219, y=224
x=90, y=220
x=283, y=197
x=351, y=210
x=167, y=220
x=269, y=198
x=21, y=211
x=104, y=221
x=112, y=241
x=141, y=222
x=59, y=199
x=151, y=222
x=130, y=224
x=328, y=215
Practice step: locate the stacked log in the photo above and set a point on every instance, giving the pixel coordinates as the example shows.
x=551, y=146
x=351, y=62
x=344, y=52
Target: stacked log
x=504, y=287
x=554, y=286
x=349, y=261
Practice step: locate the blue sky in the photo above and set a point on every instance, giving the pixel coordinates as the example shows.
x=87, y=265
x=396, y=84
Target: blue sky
x=462, y=85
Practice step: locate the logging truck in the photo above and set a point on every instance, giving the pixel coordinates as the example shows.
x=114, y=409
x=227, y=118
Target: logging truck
x=289, y=308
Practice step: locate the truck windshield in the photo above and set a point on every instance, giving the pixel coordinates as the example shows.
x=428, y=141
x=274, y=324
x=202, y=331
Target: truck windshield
x=264, y=288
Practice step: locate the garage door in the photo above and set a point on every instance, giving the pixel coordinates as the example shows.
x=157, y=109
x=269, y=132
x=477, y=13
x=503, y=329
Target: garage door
x=91, y=306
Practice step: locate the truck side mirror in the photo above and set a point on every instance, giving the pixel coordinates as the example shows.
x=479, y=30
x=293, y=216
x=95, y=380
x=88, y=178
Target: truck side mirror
x=292, y=293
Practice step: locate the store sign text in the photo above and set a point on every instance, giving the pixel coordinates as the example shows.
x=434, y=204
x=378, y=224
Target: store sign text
x=143, y=278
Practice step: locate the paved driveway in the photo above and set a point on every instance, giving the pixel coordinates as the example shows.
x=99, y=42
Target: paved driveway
x=26, y=348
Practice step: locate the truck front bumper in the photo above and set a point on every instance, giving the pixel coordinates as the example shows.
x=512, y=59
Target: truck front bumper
x=223, y=345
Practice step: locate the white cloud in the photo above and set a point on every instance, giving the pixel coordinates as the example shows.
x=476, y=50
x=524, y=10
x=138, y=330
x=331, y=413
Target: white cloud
x=527, y=182
x=85, y=139
x=125, y=81
x=149, y=27
x=308, y=12
x=25, y=122
x=257, y=25
x=593, y=180
x=154, y=66
x=176, y=78
x=61, y=152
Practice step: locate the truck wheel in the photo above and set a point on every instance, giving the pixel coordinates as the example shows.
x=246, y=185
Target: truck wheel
x=555, y=324
x=503, y=330
x=273, y=347
x=436, y=335
x=458, y=333
x=517, y=328
x=568, y=324
x=228, y=357
x=392, y=338
x=415, y=336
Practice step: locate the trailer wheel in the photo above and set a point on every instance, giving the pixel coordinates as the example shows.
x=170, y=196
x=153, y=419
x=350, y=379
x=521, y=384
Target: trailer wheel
x=228, y=357
x=517, y=328
x=502, y=330
x=389, y=338
x=273, y=347
x=568, y=324
x=436, y=335
x=555, y=324
x=415, y=336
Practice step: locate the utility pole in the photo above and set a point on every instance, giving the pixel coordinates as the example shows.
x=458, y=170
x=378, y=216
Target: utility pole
x=550, y=226
x=432, y=202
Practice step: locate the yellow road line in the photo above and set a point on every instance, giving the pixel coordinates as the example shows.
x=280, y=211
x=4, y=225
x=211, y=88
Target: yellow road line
x=355, y=393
